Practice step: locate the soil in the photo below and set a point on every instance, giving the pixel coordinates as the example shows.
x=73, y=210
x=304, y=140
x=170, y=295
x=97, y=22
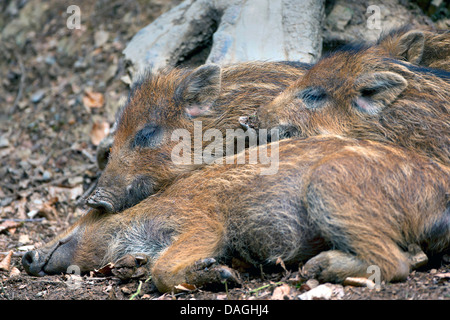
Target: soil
x=59, y=91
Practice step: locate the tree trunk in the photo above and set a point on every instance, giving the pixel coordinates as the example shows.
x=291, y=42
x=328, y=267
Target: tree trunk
x=241, y=30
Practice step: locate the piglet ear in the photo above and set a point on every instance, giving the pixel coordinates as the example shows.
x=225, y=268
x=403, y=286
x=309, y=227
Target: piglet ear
x=411, y=46
x=378, y=90
x=198, y=91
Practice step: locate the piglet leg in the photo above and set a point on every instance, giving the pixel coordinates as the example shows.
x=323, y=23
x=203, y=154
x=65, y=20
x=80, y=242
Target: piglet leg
x=189, y=260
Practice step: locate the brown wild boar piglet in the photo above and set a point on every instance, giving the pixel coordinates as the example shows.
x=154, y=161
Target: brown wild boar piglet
x=421, y=47
x=359, y=94
x=179, y=100
x=344, y=206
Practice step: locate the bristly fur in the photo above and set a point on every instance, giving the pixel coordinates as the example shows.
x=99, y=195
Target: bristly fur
x=439, y=73
x=338, y=204
x=409, y=107
x=149, y=237
x=426, y=48
x=393, y=34
x=159, y=100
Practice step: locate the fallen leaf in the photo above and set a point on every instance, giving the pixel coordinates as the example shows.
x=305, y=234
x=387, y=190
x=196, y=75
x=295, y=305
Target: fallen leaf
x=99, y=131
x=359, y=282
x=105, y=270
x=32, y=213
x=48, y=211
x=76, y=192
x=5, y=264
x=325, y=291
x=165, y=296
x=101, y=37
x=26, y=248
x=73, y=281
x=126, y=290
x=44, y=209
x=21, y=208
x=281, y=263
x=185, y=287
x=93, y=99
x=8, y=225
x=442, y=275
x=5, y=152
x=75, y=181
x=281, y=292
x=24, y=239
x=14, y=272
x=65, y=194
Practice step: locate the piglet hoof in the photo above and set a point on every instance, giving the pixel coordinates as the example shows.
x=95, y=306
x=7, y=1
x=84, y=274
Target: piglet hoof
x=333, y=266
x=207, y=273
x=131, y=267
x=416, y=256
x=313, y=267
x=204, y=263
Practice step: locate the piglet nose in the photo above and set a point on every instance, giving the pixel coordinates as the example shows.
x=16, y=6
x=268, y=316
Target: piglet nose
x=27, y=260
x=100, y=204
x=32, y=264
x=98, y=201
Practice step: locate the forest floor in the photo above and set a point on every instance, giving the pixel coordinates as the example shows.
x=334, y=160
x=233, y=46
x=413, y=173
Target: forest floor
x=59, y=91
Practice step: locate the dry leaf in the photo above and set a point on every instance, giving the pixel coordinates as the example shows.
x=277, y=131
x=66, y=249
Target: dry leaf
x=165, y=296
x=325, y=291
x=101, y=37
x=105, y=270
x=442, y=275
x=99, y=131
x=359, y=282
x=76, y=192
x=24, y=239
x=14, y=272
x=280, y=292
x=5, y=264
x=65, y=194
x=48, y=211
x=185, y=287
x=281, y=263
x=9, y=225
x=93, y=99
x=26, y=248
x=21, y=208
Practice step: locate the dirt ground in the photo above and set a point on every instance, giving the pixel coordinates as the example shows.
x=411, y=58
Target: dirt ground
x=59, y=90
x=431, y=284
